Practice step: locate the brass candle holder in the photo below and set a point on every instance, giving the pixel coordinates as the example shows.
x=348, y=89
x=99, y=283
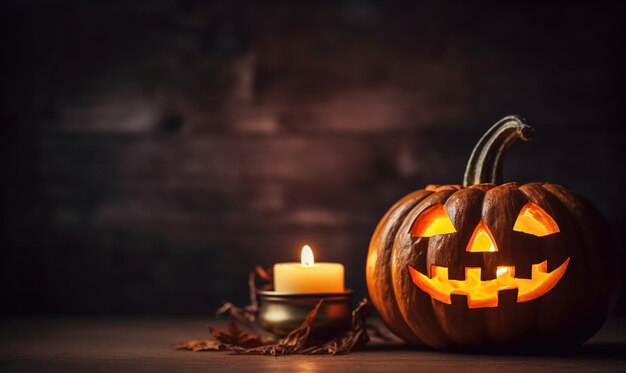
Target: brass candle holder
x=280, y=313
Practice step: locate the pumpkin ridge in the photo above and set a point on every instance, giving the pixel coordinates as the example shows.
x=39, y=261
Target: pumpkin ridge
x=577, y=277
x=465, y=210
x=597, y=257
x=517, y=319
x=385, y=232
x=482, y=186
x=423, y=324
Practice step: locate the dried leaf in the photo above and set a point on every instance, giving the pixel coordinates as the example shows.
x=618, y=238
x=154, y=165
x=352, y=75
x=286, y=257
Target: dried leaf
x=292, y=343
x=299, y=336
x=199, y=345
x=246, y=315
x=235, y=336
x=264, y=274
x=336, y=346
x=357, y=336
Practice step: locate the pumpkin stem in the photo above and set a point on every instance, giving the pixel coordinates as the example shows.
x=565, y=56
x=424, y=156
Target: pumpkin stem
x=485, y=163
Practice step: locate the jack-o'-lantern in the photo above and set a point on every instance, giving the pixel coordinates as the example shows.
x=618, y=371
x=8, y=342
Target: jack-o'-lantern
x=487, y=263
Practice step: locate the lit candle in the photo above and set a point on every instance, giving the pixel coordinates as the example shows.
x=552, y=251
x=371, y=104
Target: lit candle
x=308, y=276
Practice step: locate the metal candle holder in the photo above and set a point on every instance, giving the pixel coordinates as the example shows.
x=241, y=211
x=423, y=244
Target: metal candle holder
x=280, y=313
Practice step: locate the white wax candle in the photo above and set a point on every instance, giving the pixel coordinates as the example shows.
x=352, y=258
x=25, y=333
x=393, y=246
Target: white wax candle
x=307, y=276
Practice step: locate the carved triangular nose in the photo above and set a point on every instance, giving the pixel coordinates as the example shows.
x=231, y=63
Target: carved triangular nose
x=482, y=240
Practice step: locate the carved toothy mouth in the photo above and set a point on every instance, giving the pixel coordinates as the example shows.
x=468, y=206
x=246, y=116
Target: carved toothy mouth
x=485, y=293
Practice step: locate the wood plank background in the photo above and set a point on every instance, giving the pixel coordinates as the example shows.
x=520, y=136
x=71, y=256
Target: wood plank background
x=155, y=151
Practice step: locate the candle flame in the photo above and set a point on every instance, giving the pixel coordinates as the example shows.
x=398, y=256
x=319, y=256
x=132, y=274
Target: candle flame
x=306, y=257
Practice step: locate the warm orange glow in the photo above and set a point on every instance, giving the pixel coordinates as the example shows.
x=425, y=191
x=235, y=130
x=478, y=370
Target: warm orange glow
x=485, y=293
x=482, y=240
x=306, y=256
x=532, y=219
x=432, y=221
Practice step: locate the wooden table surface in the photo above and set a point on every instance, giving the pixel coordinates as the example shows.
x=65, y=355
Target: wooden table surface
x=138, y=345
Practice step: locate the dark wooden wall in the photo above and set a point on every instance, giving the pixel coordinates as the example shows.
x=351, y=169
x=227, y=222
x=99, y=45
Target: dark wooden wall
x=155, y=151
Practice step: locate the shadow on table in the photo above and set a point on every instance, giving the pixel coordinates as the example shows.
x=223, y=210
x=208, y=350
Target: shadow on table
x=601, y=350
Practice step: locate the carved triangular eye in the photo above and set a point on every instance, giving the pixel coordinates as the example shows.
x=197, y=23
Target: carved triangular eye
x=532, y=219
x=432, y=221
x=482, y=240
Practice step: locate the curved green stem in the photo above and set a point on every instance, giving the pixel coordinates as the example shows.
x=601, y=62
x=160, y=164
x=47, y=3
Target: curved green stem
x=485, y=163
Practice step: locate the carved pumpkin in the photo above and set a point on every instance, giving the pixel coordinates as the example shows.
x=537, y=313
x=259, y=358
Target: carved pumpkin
x=488, y=263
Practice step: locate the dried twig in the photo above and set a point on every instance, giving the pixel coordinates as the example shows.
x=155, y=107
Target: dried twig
x=247, y=314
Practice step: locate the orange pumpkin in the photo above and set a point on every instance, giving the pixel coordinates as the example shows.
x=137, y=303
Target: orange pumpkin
x=487, y=263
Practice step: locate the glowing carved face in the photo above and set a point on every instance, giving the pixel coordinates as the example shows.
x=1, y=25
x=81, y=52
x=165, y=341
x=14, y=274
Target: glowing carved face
x=532, y=219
